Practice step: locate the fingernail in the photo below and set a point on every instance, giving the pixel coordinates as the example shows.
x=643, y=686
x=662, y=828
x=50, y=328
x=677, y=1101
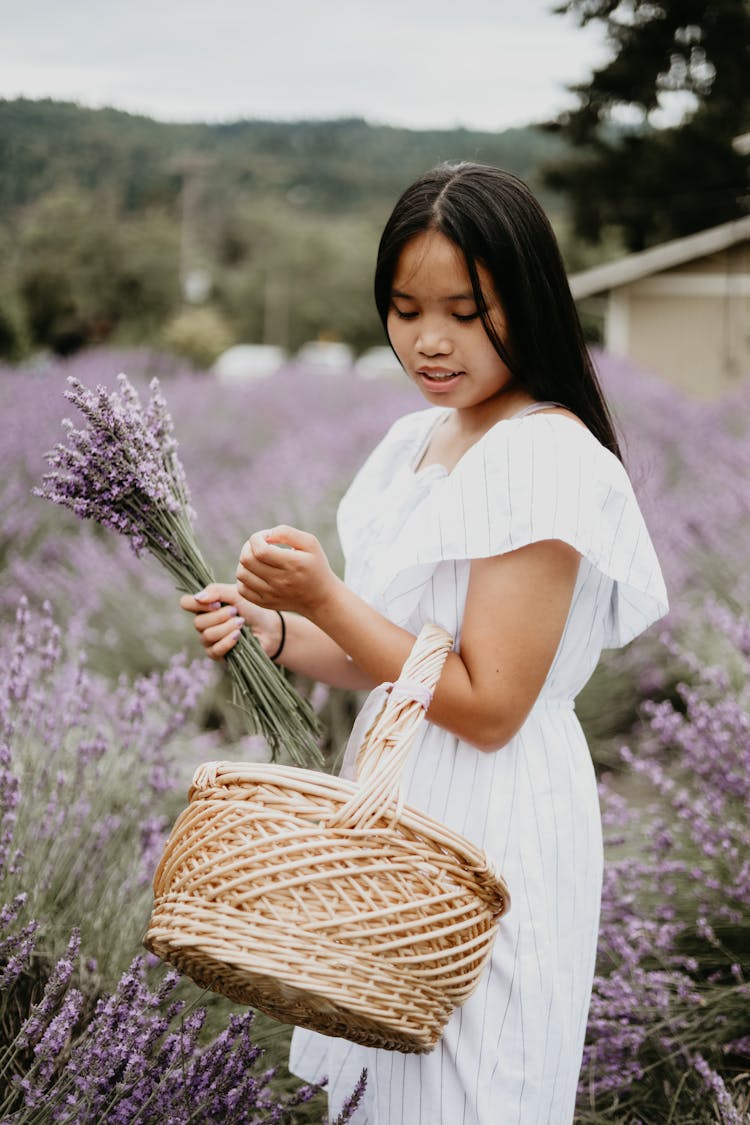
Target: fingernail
x=201, y=596
x=232, y=610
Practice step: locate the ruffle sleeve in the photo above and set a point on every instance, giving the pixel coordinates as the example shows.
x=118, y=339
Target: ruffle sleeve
x=540, y=477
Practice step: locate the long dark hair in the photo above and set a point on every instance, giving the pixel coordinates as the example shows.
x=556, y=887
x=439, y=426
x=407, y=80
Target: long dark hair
x=495, y=221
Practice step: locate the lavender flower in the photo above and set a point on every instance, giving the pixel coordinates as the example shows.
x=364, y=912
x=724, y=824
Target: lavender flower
x=669, y=1007
x=9, y=799
x=352, y=1102
x=123, y=471
x=15, y=953
x=83, y=772
x=34, y=1025
x=135, y=1058
x=728, y=1114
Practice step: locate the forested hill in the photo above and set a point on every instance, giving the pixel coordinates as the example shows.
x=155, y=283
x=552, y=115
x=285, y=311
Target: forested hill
x=105, y=216
x=330, y=165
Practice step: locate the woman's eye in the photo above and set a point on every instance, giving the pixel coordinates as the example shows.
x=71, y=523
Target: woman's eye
x=465, y=319
x=403, y=315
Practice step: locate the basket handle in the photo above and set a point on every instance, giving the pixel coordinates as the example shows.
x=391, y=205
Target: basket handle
x=387, y=744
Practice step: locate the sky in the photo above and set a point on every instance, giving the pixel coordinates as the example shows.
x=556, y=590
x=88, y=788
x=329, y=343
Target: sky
x=484, y=64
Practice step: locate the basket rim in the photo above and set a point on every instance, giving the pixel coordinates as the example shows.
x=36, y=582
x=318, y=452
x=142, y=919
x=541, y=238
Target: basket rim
x=231, y=776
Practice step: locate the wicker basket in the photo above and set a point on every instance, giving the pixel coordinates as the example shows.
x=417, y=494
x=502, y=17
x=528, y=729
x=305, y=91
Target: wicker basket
x=328, y=903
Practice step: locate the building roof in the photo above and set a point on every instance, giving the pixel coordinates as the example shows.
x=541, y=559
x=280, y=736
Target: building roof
x=633, y=267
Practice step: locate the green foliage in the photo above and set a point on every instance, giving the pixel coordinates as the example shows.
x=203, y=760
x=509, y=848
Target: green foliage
x=328, y=166
x=102, y=211
x=83, y=273
x=651, y=181
x=46, y=145
x=198, y=334
x=13, y=341
x=294, y=276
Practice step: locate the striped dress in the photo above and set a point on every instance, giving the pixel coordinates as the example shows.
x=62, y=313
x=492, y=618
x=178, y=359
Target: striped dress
x=512, y=1053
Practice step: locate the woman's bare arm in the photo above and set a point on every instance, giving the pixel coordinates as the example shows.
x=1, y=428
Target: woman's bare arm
x=221, y=612
x=516, y=608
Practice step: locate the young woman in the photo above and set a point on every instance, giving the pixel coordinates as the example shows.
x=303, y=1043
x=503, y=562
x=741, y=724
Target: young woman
x=503, y=513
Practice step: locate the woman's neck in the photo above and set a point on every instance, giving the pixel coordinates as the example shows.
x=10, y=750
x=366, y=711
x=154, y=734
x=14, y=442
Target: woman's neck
x=473, y=421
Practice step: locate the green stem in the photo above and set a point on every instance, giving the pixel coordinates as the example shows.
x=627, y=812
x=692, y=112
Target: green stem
x=271, y=705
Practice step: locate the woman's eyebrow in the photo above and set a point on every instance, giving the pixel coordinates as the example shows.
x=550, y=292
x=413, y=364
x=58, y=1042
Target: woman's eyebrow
x=453, y=297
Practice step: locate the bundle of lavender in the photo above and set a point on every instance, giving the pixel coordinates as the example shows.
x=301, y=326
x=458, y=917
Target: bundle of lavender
x=123, y=471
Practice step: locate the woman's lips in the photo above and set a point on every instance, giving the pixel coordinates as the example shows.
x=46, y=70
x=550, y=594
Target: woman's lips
x=438, y=378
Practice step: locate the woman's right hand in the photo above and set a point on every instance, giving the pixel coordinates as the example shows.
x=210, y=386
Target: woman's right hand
x=220, y=613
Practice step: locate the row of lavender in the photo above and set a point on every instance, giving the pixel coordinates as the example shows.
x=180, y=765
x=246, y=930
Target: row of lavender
x=92, y=760
x=103, y=718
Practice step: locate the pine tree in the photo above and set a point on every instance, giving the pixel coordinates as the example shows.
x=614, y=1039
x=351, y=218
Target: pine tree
x=626, y=168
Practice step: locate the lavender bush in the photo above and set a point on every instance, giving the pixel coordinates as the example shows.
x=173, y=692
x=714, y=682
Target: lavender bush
x=668, y=1034
x=689, y=464
x=298, y=438
x=669, y=1031
x=85, y=773
x=131, y=1056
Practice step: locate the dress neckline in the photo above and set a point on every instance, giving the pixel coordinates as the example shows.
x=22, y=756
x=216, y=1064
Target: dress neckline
x=436, y=469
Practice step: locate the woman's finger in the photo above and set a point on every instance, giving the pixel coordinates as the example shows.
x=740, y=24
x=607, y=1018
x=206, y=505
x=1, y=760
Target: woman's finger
x=189, y=603
x=218, y=632
x=220, y=649
x=252, y=586
x=285, y=536
x=263, y=558
x=204, y=621
x=252, y=567
x=259, y=596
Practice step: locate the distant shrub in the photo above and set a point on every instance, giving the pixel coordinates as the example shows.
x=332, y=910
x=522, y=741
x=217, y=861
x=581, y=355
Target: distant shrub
x=198, y=334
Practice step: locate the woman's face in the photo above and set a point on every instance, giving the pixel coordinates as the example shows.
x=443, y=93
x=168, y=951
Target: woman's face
x=435, y=328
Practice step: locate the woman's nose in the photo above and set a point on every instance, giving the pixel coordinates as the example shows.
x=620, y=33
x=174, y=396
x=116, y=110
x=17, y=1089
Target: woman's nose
x=432, y=338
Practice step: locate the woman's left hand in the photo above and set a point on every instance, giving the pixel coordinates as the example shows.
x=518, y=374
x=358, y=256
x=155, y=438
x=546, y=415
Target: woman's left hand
x=285, y=568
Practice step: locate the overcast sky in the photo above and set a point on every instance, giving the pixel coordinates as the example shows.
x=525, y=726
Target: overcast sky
x=485, y=64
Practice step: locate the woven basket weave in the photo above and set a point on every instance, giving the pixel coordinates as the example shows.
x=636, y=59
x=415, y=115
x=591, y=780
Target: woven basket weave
x=328, y=903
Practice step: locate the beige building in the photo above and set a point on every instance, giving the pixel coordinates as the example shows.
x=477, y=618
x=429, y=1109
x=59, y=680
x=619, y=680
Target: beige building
x=682, y=309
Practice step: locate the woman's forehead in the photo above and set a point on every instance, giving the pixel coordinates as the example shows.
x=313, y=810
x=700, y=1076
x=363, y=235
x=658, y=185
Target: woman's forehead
x=430, y=261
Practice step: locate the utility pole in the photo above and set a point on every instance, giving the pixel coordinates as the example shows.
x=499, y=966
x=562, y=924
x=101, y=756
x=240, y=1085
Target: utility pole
x=276, y=307
x=195, y=260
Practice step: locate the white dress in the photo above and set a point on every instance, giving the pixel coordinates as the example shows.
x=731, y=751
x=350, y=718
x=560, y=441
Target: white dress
x=512, y=1053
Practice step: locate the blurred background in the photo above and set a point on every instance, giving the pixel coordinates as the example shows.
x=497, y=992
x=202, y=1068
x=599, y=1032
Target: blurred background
x=193, y=181
x=196, y=192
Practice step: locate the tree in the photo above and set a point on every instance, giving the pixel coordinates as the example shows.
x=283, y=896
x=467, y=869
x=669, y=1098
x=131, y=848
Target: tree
x=653, y=133
x=86, y=274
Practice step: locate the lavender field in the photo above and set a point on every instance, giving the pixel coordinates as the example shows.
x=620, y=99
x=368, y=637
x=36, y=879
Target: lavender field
x=106, y=707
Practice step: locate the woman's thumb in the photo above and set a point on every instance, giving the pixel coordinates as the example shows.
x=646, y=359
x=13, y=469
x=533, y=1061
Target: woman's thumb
x=217, y=592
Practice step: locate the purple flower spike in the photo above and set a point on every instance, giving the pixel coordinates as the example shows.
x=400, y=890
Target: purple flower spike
x=123, y=471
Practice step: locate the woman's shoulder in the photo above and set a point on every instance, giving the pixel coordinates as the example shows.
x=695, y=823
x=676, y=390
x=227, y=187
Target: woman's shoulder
x=564, y=440
x=550, y=435
x=561, y=412
x=542, y=476
x=544, y=459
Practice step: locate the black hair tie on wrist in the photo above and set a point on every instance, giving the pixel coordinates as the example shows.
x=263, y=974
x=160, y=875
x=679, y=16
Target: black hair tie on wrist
x=282, y=642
